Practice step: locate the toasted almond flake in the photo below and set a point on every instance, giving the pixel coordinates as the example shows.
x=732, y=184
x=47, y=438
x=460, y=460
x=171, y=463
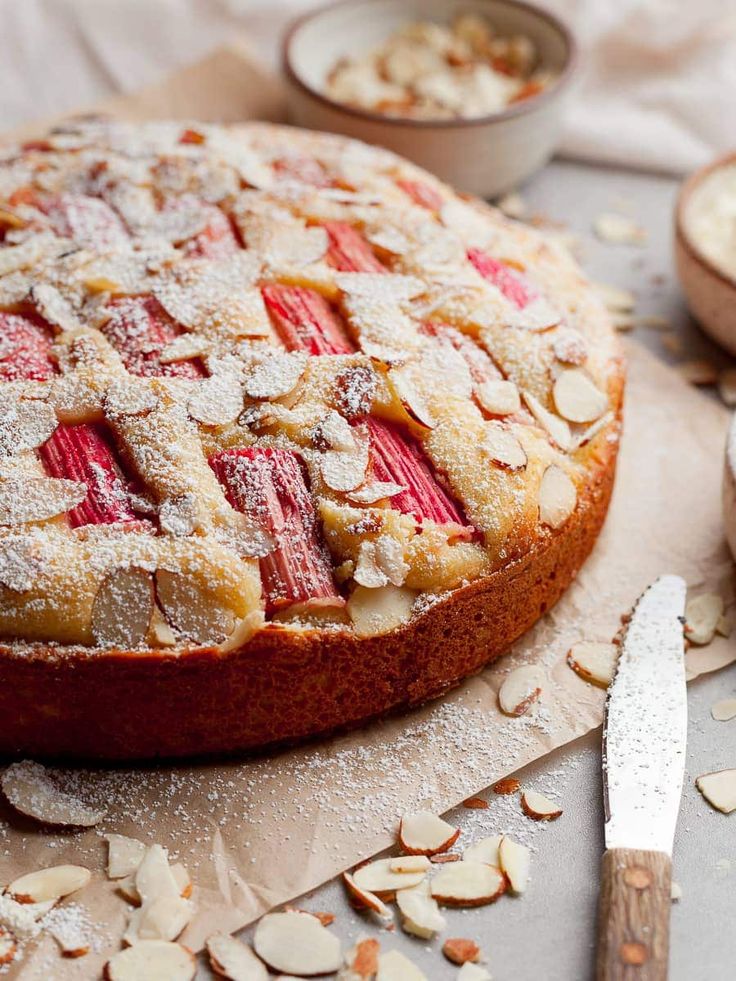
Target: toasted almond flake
x=698, y=371
x=154, y=960
x=473, y=972
x=53, y=883
x=617, y=229
x=38, y=498
x=275, y=375
x=190, y=610
x=594, y=662
x=538, y=807
x=296, y=943
x=423, y=833
x=185, y=347
x=123, y=608
x=727, y=386
x=498, y=397
x=124, y=855
x=520, y=689
x=379, y=878
x=507, y=785
x=126, y=888
x=484, y=851
x=468, y=884
x=373, y=492
x=420, y=914
x=577, y=397
x=725, y=710
x=557, y=497
x=409, y=863
x=475, y=804
x=719, y=789
x=162, y=918
x=502, y=447
x=461, y=951
x=515, y=860
x=8, y=947
x=512, y=205
x=32, y=792
x=675, y=891
x=395, y=966
x=365, y=899
x=702, y=614
x=378, y=611
x=569, y=346
x=231, y=958
x=181, y=878
x=614, y=297
x=25, y=425
x=153, y=877
x=556, y=428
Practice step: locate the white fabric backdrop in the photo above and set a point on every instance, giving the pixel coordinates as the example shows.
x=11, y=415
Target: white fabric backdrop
x=657, y=83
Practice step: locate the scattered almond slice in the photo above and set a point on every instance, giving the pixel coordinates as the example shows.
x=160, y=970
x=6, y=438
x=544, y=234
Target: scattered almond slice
x=410, y=863
x=377, y=611
x=538, y=807
x=32, y=792
x=468, y=884
x=190, y=610
x=698, y=371
x=365, y=899
x=126, y=888
x=154, y=960
x=724, y=627
x=461, y=951
x=154, y=878
x=395, y=966
x=423, y=833
x=38, y=498
x=162, y=918
x=498, y=397
x=519, y=690
x=123, y=855
x=420, y=914
x=594, y=662
x=71, y=937
x=724, y=710
x=617, y=229
x=557, y=497
x=484, y=851
x=473, y=972
x=375, y=491
x=507, y=785
x=184, y=348
x=378, y=877
x=556, y=427
x=727, y=386
x=614, y=297
x=675, y=891
x=702, y=614
x=719, y=789
x=345, y=470
x=123, y=608
x=577, y=397
x=231, y=958
x=361, y=961
x=52, y=883
x=503, y=448
x=515, y=860
x=296, y=943
x=475, y=804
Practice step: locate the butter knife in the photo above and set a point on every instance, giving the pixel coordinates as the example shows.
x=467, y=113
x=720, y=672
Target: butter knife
x=644, y=737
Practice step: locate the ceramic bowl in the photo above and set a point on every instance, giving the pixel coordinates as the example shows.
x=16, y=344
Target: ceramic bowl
x=484, y=156
x=710, y=292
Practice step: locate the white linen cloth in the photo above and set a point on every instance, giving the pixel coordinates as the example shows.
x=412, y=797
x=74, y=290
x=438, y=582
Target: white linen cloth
x=657, y=82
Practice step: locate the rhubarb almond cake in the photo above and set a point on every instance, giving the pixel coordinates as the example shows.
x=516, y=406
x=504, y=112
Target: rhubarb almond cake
x=291, y=436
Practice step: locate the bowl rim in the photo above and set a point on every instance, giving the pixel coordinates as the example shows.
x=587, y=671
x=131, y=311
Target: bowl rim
x=682, y=235
x=519, y=109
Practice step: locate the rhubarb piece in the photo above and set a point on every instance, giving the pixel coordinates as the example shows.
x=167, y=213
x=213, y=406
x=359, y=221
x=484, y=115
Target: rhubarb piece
x=305, y=321
x=365, y=899
x=140, y=329
x=484, y=851
x=719, y=789
x=503, y=448
x=538, y=807
x=296, y=943
x=514, y=860
x=594, y=662
x=31, y=791
x=468, y=884
x=423, y=833
x=268, y=485
x=557, y=497
x=91, y=222
x=25, y=348
x=422, y=194
x=231, y=958
x=577, y=397
x=123, y=609
x=398, y=459
x=163, y=918
x=702, y=614
x=380, y=878
x=155, y=960
x=520, y=689
x=83, y=453
x=48, y=884
x=349, y=251
x=217, y=239
x=461, y=951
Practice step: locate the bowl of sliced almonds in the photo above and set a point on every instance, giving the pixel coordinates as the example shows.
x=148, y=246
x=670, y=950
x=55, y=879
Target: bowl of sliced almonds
x=473, y=90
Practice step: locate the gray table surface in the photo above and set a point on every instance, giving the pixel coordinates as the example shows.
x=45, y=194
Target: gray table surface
x=549, y=933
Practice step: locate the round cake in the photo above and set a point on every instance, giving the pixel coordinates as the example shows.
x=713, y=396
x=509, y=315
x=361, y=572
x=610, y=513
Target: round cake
x=291, y=436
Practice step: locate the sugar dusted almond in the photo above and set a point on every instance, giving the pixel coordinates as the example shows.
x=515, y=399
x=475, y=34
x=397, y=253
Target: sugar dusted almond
x=184, y=348
x=231, y=958
x=296, y=943
x=594, y=662
x=719, y=789
x=468, y=884
x=410, y=863
x=162, y=918
x=395, y=966
x=444, y=858
x=727, y=386
x=420, y=914
x=29, y=788
x=379, y=878
x=54, y=883
x=507, y=785
x=538, y=807
x=702, y=614
x=412, y=401
x=577, y=397
x=275, y=375
x=153, y=877
x=557, y=497
x=556, y=428
x=218, y=400
x=364, y=898
x=190, y=610
x=498, y=397
x=423, y=833
x=503, y=448
x=460, y=950
x=515, y=860
x=378, y=611
x=519, y=690
x=473, y=972
x=124, y=855
x=484, y=851
x=123, y=608
x=126, y=888
x=181, y=878
x=377, y=490
x=8, y=947
x=154, y=960
x=724, y=710
x=38, y=498
x=569, y=346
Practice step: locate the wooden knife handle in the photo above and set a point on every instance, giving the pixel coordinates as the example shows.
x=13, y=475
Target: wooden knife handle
x=634, y=916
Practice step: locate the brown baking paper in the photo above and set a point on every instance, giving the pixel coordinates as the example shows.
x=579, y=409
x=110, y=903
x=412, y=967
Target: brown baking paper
x=261, y=831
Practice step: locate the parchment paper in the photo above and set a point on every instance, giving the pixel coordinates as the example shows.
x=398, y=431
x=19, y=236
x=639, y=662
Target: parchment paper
x=259, y=832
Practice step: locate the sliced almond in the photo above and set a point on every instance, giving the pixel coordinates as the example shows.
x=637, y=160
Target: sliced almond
x=423, y=833
x=38, y=498
x=590, y=432
x=507, y=785
x=484, y=851
x=675, y=891
x=724, y=710
x=190, y=611
x=473, y=972
x=345, y=470
x=461, y=951
x=31, y=791
x=410, y=863
x=594, y=662
x=52, y=883
x=154, y=960
x=296, y=943
x=276, y=374
x=475, y=804
x=395, y=966
x=618, y=229
x=557, y=497
x=515, y=860
x=569, y=346
x=154, y=878
x=520, y=689
x=124, y=855
x=577, y=397
x=702, y=614
x=538, y=807
x=162, y=918
x=614, y=297
x=361, y=961
x=8, y=947
x=556, y=428
x=468, y=884
x=123, y=608
x=719, y=789
x=185, y=347
x=182, y=880
x=378, y=611
x=70, y=934
x=24, y=425
x=375, y=491
x=503, y=448
x=420, y=914
x=364, y=898
x=218, y=400
x=231, y=958
x=378, y=877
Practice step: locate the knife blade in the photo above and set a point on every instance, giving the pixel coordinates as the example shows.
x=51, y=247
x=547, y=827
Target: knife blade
x=644, y=740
